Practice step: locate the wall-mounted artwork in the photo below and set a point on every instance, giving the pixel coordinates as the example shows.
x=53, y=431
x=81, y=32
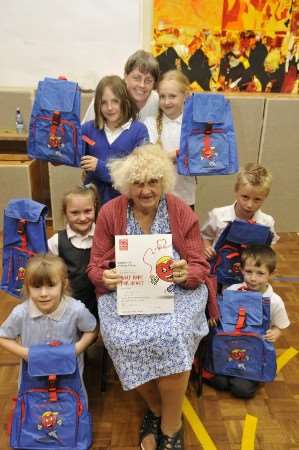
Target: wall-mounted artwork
x=230, y=45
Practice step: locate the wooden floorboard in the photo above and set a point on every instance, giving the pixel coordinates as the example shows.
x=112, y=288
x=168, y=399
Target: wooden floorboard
x=117, y=414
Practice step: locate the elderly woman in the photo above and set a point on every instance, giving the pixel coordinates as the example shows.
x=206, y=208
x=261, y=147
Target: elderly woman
x=152, y=353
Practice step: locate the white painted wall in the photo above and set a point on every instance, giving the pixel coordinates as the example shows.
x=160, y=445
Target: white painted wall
x=147, y=23
x=82, y=39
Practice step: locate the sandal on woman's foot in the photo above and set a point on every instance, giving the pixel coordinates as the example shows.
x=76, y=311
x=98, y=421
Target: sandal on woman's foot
x=150, y=425
x=174, y=442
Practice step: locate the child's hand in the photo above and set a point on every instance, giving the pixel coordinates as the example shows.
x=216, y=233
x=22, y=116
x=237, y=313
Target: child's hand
x=209, y=252
x=25, y=352
x=212, y=322
x=172, y=155
x=272, y=334
x=78, y=349
x=14, y=347
x=89, y=163
x=83, y=176
x=86, y=339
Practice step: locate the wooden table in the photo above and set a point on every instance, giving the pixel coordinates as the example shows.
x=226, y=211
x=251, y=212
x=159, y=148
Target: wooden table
x=12, y=142
x=12, y=135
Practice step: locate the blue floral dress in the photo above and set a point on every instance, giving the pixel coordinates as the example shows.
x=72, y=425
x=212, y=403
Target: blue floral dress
x=146, y=347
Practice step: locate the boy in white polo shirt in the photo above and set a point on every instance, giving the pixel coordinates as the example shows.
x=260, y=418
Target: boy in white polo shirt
x=258, y=262
x=252, y=187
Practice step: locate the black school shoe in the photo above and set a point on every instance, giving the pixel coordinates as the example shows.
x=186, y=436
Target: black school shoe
x=150, y=425
x=174, y=442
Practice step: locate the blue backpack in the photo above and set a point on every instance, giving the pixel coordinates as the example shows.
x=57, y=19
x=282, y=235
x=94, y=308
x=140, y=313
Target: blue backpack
x=236, y=347
x=233, y=239
x=208, y=143
x=24, y=234
x=55, y=131
x=51, y=408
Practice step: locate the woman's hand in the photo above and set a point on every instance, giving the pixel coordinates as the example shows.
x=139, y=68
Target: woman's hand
x=111, y=279
x=89, y=163
x=180, y=271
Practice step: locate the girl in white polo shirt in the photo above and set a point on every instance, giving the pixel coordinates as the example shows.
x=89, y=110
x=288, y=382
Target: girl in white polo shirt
x=173, y=88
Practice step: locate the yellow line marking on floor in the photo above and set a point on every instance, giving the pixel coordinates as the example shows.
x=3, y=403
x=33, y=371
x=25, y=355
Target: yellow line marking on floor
x=250, y=423
x=197, y=427
x=285, y=357
x=248, y=436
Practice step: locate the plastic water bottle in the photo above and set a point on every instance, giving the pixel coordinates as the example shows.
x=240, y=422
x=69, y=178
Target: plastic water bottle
x=19, y=121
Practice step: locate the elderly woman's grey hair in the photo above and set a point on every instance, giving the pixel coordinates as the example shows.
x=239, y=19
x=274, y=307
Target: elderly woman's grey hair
x=145, y=163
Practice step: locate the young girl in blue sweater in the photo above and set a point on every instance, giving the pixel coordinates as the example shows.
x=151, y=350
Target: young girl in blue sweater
x=113, y=134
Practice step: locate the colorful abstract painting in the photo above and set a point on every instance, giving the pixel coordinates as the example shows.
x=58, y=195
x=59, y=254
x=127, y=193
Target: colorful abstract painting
x=230, y=45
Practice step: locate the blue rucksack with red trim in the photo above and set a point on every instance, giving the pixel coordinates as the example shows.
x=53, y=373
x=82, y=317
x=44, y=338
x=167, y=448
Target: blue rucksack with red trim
x=208, y=142
x=236, y=347
x=236, y=236
x=51, y=408
x=55, y=133
x=24, y=235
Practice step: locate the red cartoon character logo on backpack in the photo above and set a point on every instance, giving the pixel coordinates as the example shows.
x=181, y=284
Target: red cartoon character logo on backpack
x=49, y=422
x=21, y=273
x=238, y=354
x=209, y=153
x=236, y=267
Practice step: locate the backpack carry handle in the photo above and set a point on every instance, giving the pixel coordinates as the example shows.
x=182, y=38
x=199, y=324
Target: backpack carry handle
x=241, y=319
x=54, y=343
x=54, y=140
x=52, y=388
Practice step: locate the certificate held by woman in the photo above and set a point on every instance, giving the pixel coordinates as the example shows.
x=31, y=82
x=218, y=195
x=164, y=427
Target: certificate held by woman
x=145, y=266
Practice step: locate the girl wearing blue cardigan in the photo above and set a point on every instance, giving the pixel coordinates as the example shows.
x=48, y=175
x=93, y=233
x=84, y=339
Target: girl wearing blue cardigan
x=114, y=133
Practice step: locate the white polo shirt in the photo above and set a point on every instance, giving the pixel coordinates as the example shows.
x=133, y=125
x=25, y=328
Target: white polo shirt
x=185, y=186
x=77, y=240
x=219, y=218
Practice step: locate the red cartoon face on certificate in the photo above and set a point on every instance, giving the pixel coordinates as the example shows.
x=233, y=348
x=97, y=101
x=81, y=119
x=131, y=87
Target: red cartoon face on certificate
x=145, y=265
x=164, y=268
